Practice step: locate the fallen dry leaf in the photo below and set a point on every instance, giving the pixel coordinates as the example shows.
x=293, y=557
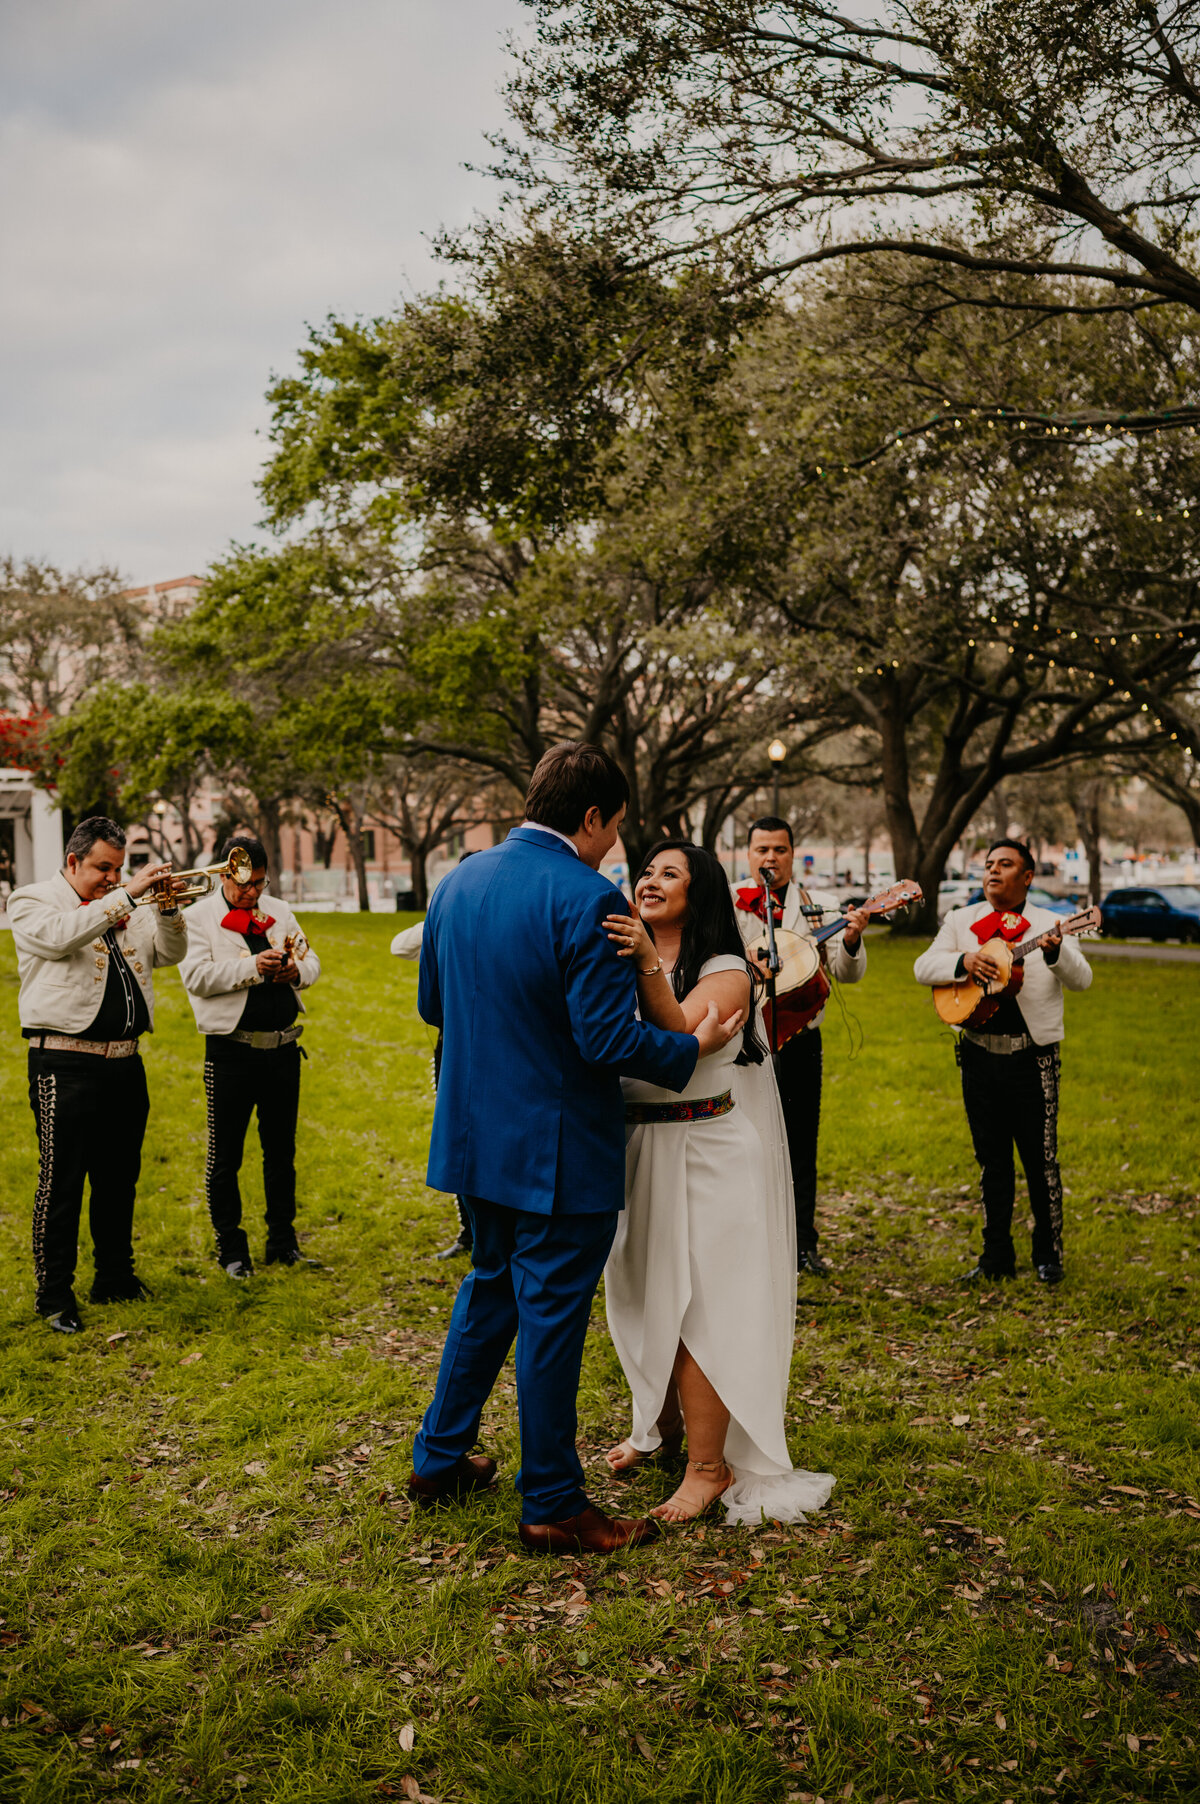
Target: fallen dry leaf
x=1000, y=1722
x=255, y=1469
x=112, y=1339
x=408, y=1736
x=1132, y=1743
x=644, y=1748
x=189, y=1359
x=960, y=1421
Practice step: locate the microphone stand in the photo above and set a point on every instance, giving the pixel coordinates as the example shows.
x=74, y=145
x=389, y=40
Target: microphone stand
x=774, y=962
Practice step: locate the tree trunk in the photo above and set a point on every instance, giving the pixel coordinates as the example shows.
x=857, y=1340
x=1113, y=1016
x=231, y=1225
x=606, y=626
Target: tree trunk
x=637, y=842
x=418, y=875
x=354, y=836
x=269, y=831
x=323, y=843
x=192, y=845
x=867, y=838
x=1086, y=803
x=909, y=856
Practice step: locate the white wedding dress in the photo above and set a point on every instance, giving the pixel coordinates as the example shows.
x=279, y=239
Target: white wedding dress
x=705, y=1254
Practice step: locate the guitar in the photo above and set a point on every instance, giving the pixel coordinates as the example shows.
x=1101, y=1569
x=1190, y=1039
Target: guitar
x=801, y=984
x=969, y=1003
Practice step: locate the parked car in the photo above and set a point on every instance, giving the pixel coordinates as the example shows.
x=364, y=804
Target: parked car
x=953, y=893
x=1041, y=898
x=1170, y=912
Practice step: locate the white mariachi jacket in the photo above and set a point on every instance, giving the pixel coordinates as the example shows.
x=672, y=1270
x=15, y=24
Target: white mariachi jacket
x=407, y=943
x=62, y=958
x=220, y=968
x=846, y=967
x=1040, y=997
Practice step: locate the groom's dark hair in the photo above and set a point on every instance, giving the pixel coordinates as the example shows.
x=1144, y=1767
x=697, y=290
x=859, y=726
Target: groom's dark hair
x=570, y=779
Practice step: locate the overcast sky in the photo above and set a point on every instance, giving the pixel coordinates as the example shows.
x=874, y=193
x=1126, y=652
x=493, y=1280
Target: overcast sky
x=186, y=184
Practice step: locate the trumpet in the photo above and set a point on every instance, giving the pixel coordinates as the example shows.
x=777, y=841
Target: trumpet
x=295, y=945
x=182, y=887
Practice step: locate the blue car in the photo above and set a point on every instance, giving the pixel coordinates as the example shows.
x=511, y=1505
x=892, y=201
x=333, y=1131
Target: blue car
x=1170, y=912
x=1041, y=898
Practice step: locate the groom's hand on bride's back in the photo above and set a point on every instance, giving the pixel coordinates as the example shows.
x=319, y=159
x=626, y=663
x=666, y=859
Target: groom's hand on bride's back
x=712, y=1033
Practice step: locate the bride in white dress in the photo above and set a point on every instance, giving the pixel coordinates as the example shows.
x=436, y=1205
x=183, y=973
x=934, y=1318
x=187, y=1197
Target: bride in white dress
x=700, y=1285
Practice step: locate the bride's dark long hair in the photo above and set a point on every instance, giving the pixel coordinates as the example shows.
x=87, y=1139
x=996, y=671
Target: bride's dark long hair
x=709, y=929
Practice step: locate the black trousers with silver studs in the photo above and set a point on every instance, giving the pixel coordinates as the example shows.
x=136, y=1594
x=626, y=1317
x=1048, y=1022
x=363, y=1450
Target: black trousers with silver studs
x=240, y=1080
x=91, y=1115
x=1012, y=1102
x=798, y=1073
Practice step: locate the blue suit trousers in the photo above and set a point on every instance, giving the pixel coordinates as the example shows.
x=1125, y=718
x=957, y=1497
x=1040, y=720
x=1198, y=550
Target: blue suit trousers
x=533, y=1279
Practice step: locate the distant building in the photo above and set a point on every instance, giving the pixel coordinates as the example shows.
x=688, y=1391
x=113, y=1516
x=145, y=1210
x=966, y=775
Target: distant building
x=167, y=601
x=31, y=840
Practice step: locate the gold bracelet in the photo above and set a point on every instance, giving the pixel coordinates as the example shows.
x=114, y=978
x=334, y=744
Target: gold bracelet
x=653, y=971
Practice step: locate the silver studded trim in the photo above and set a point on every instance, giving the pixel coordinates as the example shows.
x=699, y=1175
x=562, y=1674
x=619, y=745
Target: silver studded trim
x=210, y=1157
x=47, y=1100
x=1048, y=1068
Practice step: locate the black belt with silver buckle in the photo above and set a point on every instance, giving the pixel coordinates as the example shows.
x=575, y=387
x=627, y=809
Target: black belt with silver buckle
x=265, y=1039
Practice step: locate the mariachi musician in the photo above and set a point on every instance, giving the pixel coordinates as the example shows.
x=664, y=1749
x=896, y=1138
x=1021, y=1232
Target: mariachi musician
x=246, y=965
x=86, y=954
x=1010, y=1064
x=798, y=1061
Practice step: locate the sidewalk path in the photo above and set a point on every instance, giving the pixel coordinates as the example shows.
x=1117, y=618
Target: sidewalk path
x=1179, y=955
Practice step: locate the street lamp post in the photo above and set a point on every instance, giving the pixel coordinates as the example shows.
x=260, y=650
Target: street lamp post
x=776, y=752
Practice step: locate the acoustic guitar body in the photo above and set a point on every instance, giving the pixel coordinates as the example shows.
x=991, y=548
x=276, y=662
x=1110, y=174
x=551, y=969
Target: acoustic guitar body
x=801, y=985
x=970, y=1004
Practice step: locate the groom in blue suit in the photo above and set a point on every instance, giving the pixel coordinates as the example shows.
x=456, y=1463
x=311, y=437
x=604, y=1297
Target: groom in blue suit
x=538, y=1020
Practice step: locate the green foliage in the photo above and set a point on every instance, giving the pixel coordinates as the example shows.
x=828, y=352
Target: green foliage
x=970, y=137
x=137, y=741
x=503, y=403
x=210, y=1568
x=60, y=632
x=750, y=561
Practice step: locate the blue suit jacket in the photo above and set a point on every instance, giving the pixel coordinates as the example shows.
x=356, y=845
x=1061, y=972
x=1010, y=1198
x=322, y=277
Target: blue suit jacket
x=537, y=1016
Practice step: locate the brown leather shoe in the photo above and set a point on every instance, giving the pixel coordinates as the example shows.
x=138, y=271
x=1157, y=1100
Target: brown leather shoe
x=472, y=1473
x=589, y=1532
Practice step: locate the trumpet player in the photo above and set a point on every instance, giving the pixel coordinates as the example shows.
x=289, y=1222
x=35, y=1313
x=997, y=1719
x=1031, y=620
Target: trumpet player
x=247, y=963
x=86, y=955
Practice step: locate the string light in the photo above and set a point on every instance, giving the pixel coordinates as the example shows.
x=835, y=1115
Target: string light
x=1037, y=426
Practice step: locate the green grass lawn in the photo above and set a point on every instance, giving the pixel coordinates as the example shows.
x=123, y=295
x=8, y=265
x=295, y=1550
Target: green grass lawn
x=214, y=1588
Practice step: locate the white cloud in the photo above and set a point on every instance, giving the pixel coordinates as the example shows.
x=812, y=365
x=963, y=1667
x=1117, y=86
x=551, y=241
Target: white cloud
x=189, y=183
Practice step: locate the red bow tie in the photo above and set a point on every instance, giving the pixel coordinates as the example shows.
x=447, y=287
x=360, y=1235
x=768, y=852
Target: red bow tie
x=750, y=901
x=248, y=920
x=1008, y=926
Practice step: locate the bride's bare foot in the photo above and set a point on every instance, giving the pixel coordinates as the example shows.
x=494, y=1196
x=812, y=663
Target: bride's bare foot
x=706, y=1481
x=623, y=1457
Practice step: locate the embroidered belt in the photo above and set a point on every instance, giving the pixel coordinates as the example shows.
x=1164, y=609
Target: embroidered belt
x=703, y=1109
x=103, y=1049
x=1006, y=1043
x=265, y=1039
